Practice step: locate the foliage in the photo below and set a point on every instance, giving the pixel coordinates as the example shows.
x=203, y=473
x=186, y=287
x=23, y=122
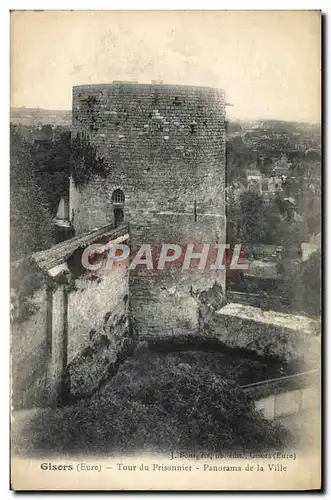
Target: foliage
x=313, y=155
x=41, y=163
x=56, y=154
x=85, y=163
x=51, y=162
x=257, y=222
x=253, y=221
x=159, y=403
x=238, y=158
x=31, y=223
x=305, y=185
x=233, y=126
x=266, y=166
x=305, y=288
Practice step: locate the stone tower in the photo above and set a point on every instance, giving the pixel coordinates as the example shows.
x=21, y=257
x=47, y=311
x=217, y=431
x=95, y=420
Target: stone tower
x=164, y=146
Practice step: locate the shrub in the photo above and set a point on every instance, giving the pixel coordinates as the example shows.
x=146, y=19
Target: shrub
x=158, y=403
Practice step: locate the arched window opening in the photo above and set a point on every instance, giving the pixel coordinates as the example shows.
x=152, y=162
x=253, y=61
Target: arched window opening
x=118, y=197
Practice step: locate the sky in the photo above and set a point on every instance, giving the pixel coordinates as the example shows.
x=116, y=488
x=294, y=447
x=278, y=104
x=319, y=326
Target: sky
x=268, y=62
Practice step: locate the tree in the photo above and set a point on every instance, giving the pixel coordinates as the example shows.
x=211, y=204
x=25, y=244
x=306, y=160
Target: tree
x=238, y=157
x=266, y=166
x=47, y=132
x=312, y=154
x=252, y=225
x=85, y=163
x=51, y=164
x=304, y=289
x=31, y=223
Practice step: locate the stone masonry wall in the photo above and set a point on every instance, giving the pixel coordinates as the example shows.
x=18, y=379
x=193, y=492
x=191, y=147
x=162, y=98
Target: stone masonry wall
x=285, y=336
x=165, y=146
x=98, y=327
x=30, y=353
x=70, y=326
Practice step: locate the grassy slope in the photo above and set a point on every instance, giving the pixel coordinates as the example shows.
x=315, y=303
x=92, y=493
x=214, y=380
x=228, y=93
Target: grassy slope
x=158, y=402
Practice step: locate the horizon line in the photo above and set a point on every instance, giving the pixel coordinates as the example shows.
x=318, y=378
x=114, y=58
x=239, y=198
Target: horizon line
x=233, y=117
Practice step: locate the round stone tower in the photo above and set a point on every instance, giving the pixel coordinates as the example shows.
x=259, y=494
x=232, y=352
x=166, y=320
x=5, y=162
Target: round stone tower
x=164, y=148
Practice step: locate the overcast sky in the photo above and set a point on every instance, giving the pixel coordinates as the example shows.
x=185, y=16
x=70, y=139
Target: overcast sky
x=268, y=62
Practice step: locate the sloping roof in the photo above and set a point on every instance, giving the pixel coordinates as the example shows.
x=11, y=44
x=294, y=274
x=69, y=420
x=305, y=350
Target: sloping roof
x=57, y=254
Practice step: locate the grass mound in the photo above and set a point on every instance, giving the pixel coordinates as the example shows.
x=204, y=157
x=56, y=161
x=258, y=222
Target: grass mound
x=158, y=403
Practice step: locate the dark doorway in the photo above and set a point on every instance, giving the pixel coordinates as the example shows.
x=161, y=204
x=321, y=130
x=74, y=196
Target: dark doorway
x=118, y=200
x=118, y=216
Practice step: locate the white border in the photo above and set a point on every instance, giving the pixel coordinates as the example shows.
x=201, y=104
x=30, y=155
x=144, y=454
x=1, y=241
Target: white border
x=4, y=184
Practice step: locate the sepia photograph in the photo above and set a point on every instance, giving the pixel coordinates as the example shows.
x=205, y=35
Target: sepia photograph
x=165, y=250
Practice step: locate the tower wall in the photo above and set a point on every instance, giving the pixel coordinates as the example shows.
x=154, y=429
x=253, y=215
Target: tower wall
x=165, y=148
